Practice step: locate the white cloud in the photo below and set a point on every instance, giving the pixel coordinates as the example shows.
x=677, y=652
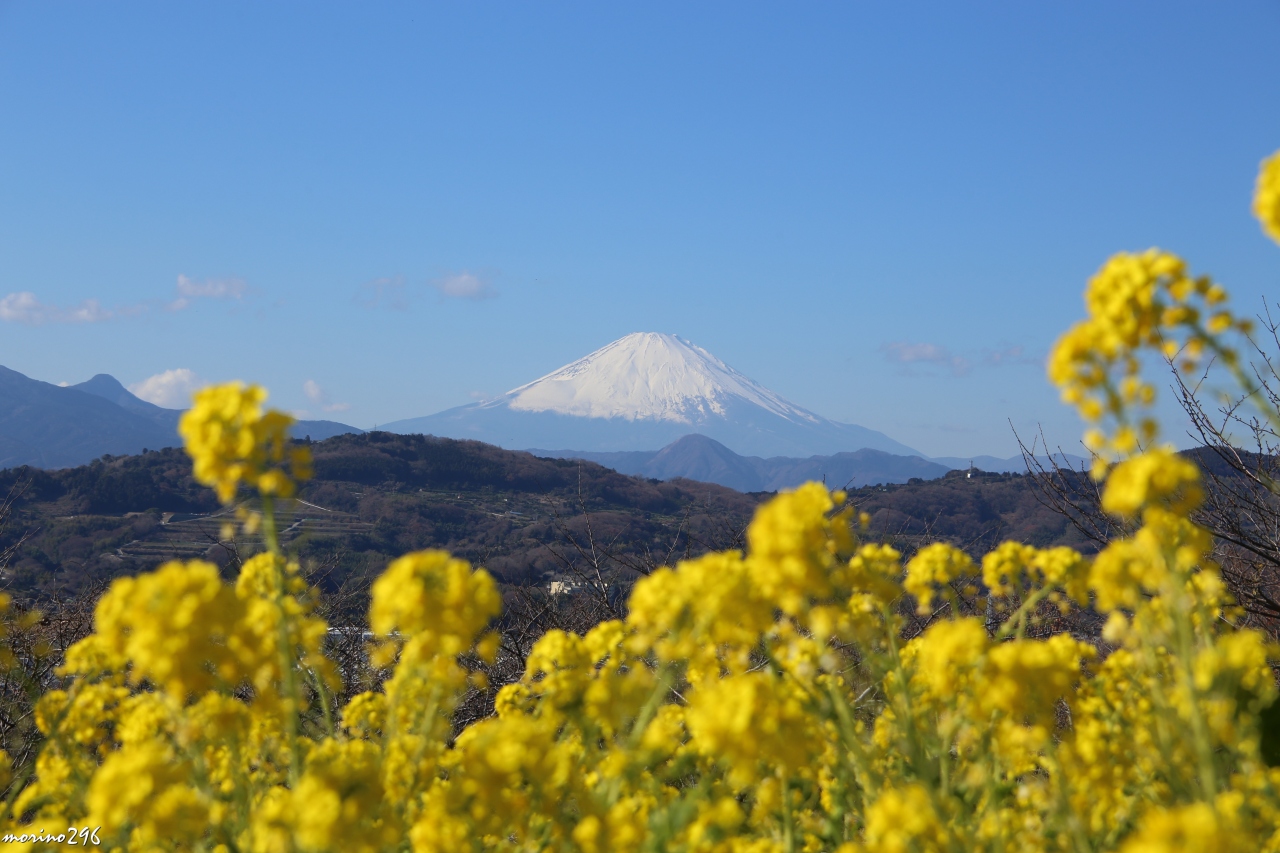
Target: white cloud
x=1010, y=355
x=387, y=292
x=189, y=290
x=23, y=307
x=908, y=353
x=313, y=391
x=317, y=395
x=394, y=293
x=171, y=389
x=465, y=285
x=89, y=311
x=905, y=353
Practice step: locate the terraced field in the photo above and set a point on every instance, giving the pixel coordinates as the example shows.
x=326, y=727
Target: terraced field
x=188, y=536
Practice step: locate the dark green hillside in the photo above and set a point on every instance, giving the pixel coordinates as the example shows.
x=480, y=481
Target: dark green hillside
x=379, y=495
x=374, y=497
x=975, y=512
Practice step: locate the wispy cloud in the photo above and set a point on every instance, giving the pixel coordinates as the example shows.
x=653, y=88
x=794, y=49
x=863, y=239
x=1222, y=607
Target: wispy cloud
x=908, y=353
x=924, y=354
x=465, y=285
x=171, y=389
x=1010, y=355
x=902, y=352
x=189, y=290
x=23, y=307
x=394, y=293
x=388, y=292
x=320, y=397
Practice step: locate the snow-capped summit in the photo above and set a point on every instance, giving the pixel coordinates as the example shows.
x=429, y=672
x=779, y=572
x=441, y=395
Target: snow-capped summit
x=643, y=392
x=648, y=375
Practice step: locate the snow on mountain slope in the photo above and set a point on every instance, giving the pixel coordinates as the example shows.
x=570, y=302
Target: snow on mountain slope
x=643, y=392
x=647, y=375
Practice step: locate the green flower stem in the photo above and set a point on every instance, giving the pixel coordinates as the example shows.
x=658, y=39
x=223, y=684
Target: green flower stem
x=287, y=674
x=788, y=820
x=1017, y=623
x=325, y=707
x=1199, y=728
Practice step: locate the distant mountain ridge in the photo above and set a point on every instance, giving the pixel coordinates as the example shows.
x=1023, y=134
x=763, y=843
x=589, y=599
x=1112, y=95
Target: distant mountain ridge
x=47, y=426
x=1010, y=465
x=107, y=387
x=697, y=457
x=647, y=390
x=51, y=426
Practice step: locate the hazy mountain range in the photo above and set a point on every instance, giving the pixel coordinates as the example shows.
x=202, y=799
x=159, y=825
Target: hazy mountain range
x=51, y=426
x=708, y=421
x=697, y=457
x=643, y=392
x=649, y=404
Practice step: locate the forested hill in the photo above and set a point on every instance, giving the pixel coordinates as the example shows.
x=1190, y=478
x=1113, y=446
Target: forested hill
x=379, y=495
x=975, y=513
x=374, y=497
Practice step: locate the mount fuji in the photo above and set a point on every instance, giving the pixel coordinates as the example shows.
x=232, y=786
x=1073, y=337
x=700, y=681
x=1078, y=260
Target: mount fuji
x=643, y=392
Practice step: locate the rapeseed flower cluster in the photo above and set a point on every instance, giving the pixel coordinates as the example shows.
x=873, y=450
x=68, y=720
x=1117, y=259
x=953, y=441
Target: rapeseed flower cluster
x=233, y=441
x=753, y=701
x=1136, y=302
x=1266, y=198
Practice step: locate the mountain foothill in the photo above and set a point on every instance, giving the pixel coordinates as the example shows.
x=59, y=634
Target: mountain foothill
x=103, y=488
x=105, y=491
x=657, y=405
x=528, y=519
x=649, y=404
x=52, y=426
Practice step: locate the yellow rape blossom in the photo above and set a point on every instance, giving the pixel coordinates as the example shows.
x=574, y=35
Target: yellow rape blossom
x=905, y=820
x=176, y=625
x=778, y=699
x=231, y=441
x=1025, y=678
x=796, y=547
x=143, y=793
x=1198, y=826
x=1266, y=196
x=945, y=657
x=939, y=563
x=706, y=611
x=1146, y=301
x=1159, y=476
x=432, y=596
x=749, y=719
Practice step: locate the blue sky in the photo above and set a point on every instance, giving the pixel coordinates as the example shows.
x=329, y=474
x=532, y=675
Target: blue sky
x=884, y=212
